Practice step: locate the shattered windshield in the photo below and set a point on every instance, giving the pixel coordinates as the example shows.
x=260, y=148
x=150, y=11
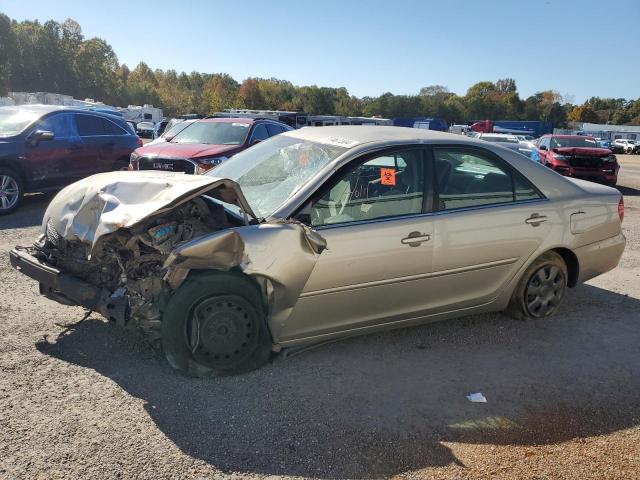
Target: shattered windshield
x=271, y=171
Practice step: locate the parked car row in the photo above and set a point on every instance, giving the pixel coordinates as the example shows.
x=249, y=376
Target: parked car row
x=622, y=145
x=196, y=146
x=46, y=147
x=577, y=156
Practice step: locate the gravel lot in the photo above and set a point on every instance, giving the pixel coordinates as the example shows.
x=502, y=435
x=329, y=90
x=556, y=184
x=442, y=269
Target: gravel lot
x=91, y=401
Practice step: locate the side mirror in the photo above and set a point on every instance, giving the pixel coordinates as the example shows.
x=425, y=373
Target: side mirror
x=543, y=147
x=40, y=136
x=257, y=140
x=168, y=138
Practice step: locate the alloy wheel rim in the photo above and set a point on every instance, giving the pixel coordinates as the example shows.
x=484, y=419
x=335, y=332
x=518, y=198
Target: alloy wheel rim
x=545, y=291
x=9, y=192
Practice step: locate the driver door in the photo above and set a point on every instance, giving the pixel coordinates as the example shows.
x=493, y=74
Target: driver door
x=379, y=250
x=51, y=161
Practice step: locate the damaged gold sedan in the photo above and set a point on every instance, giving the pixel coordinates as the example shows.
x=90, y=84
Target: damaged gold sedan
x=318, y=234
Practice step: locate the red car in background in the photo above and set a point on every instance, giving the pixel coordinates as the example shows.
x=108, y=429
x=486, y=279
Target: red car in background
x=578, y=156
x=205, y=144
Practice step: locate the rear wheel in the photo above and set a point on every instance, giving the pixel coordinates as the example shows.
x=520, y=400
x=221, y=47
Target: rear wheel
x=215, y=323
x=11, y=191
x=541, y=288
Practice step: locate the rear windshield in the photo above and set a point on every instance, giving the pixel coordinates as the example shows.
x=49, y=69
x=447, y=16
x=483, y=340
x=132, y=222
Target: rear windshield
x=214, y=133
x=573, y=142
x=15, y=120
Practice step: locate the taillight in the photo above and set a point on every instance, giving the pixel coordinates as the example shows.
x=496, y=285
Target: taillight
x=621, y=208
x=140, y=143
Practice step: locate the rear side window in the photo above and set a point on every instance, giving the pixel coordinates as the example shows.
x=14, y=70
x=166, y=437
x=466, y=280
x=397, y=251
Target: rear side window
x=90, y=125
x=62, y=125
x=468, y=178
x=111, y=128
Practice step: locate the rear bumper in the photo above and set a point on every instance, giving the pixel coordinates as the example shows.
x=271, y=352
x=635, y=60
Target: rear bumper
x=70, y=290
x=599, y=257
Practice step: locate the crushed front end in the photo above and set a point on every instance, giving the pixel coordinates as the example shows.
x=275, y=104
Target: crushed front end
x=122, y=276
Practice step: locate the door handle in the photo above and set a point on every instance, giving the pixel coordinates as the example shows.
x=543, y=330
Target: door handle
x=535, y=219
x=414, y=239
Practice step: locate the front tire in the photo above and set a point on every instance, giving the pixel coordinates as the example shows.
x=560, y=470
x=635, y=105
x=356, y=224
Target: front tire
x=541, y=288
x=11, y=191
x=215, y=324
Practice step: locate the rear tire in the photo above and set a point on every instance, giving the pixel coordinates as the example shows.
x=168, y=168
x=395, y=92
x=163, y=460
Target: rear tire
x=540, y=289
x=11, y=190
x=215, y=324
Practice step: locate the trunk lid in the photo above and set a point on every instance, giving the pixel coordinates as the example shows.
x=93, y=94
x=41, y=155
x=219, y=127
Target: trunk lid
x=103, y=203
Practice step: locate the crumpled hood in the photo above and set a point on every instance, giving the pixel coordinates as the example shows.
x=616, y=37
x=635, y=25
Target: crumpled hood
x=103, y=203
x=184, y=150
x=586, y=151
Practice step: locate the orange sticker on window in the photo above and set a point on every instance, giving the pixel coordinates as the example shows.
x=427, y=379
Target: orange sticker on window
x=387, y=176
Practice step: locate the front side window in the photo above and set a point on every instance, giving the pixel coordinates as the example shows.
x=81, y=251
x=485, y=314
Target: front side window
x=274, y=129
x=259, y=133
x=62, y=125
x=467, y=178
x=391, y=185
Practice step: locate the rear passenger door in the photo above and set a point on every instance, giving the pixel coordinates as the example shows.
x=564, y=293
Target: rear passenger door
x=485, y=227
x=98, y=145
x=376, y=267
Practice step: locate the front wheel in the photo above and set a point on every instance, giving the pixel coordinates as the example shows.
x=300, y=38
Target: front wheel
x=215, y=324
x=11, y=191
x=541, y=289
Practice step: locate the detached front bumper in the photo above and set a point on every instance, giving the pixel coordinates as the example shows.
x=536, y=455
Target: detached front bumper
x=69, y=290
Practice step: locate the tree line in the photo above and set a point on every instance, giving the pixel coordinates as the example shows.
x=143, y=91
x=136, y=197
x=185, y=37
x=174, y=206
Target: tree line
x=56, y=57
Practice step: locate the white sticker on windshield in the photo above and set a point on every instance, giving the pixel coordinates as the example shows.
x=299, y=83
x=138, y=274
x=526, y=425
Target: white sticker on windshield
x=245, y=125
x=339, y=142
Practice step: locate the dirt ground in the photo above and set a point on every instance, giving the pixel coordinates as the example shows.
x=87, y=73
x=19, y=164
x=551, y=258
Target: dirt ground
x=90, y=401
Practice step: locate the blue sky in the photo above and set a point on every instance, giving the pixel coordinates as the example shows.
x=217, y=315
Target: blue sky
x=579, y=48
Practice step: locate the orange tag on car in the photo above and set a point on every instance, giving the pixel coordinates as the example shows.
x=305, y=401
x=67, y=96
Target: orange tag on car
x=387, y=176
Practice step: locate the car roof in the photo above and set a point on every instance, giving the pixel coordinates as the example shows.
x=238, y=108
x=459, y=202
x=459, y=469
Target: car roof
x=351, y=136
x=46, y=109
x=228, y=120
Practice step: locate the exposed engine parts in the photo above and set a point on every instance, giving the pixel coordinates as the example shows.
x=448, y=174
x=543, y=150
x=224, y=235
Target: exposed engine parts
x=128, y=263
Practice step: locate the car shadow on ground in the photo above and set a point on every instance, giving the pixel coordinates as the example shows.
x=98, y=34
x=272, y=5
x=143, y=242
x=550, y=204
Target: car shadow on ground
x=383, y=404
x=628, y=191
x=29, y=213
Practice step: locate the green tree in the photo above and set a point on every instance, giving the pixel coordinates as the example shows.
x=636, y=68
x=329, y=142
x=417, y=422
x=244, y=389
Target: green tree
x=583, y=113
x=220, y=92
x=7, y=53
